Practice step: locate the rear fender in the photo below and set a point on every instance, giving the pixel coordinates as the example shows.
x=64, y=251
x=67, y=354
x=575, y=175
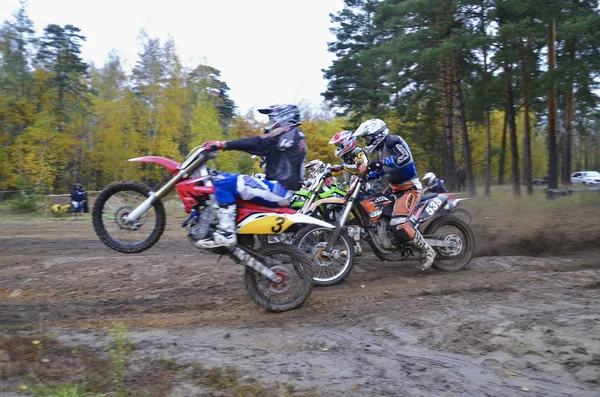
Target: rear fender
x=427, y=209
x=453, y=202
x=169, y=164
x=276, y=223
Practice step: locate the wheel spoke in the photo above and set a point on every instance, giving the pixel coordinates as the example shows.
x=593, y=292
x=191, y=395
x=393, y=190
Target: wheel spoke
x=328, y=268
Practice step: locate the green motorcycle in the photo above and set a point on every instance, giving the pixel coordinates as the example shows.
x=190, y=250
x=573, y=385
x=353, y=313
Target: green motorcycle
x=320, y=185
x=330, y=264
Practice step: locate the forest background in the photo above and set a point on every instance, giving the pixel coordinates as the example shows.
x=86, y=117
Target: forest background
x=509, y=89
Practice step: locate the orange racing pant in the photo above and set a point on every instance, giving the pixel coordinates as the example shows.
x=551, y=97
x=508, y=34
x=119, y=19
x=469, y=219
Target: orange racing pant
x=407, y=197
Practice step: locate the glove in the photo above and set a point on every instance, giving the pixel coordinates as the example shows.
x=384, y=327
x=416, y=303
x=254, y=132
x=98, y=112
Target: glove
x=375, y=165
x=212, y=146
x=375, y=174
x=337, y=168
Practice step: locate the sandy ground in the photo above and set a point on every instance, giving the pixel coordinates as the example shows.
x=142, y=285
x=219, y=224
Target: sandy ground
x=508, y=326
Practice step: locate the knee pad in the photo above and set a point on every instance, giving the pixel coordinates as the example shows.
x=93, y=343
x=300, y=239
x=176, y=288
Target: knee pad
x=402, y=234
x=402, y=229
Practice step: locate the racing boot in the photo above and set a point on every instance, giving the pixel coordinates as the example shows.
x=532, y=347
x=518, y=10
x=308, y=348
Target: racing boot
x=357, y=249
x=427, y=253
x=354, y=233
x=225, y=235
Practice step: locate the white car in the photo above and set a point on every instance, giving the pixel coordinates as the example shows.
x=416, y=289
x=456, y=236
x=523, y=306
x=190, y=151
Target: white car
x=586, y=177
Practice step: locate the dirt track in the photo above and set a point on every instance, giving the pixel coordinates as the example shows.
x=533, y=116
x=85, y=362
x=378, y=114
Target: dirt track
x=507, y=326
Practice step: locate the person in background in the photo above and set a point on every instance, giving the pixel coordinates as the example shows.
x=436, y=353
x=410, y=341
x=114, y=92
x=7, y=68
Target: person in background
x=396, y=162
x=434, y=184
x=461, y=177
x=78, y=200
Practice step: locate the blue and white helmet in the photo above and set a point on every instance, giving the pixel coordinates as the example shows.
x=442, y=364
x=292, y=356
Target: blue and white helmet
x=281, y=116
x=373, y=131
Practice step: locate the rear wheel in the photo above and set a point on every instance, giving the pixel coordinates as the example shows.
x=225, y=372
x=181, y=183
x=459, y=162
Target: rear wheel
x=295, y=270
x=330, y=267
x=458, y=239
x=461, y=214
x=112, y=205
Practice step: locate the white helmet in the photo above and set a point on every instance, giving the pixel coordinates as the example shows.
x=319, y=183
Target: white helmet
x=429, y=178
x=373, y=131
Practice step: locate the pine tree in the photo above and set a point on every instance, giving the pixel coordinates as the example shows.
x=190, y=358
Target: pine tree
x=59, y=53
x=355, y=78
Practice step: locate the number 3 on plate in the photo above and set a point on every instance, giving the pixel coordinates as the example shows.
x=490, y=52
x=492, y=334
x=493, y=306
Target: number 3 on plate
x=279, y=224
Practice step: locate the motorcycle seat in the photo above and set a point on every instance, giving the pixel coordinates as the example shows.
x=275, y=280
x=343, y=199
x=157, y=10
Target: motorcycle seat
x=253, y=207
x=428, y=196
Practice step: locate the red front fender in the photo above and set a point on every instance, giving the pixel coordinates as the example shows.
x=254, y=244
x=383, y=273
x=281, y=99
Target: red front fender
x=169, y=164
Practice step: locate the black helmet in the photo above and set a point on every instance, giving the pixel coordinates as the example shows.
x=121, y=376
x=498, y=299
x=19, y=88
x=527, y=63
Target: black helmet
x=281, y=116
x=77, y=185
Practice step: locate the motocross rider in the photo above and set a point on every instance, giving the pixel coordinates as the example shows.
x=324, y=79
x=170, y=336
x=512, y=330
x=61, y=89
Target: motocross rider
x=283, y=145
x=396, y=161
x=352, y=157
x=434, y=184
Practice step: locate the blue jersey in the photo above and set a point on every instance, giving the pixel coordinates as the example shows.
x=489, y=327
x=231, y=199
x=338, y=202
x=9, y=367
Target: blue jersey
x=398, y=163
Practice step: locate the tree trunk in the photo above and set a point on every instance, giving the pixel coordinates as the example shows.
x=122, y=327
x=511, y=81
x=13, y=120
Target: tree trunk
x=585, y=151
x=463, y=126
x=503, y=149
x=567, y=148
x=488, y=127
x=512, y=127
x=552, y=142
x=577, y=148
x=449, y=162
x=488, y=154
x=527, y=125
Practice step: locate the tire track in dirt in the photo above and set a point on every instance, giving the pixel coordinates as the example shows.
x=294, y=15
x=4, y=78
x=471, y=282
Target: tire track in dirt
x=402, y=334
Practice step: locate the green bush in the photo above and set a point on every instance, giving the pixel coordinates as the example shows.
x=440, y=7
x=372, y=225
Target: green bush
x=24, y=202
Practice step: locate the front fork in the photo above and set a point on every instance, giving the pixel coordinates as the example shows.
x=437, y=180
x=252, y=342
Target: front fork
x=166, y=189
x=342, y=220
x=340, y=226
x=242, y=255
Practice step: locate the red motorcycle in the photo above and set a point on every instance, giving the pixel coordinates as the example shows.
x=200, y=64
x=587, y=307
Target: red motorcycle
x=130, y=217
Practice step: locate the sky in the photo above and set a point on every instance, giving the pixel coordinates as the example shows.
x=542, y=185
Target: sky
x=268, y=51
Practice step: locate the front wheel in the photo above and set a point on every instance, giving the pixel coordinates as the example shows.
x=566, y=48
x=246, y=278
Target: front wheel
x=112, y=205
x=456, y=242
x=330, y=267
x=295, y=270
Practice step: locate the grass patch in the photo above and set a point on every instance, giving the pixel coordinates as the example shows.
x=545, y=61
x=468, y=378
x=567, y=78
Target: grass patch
x=228, y=379
x=39, y=365
x=66, y=390
x=502, y=197
x=43, y=366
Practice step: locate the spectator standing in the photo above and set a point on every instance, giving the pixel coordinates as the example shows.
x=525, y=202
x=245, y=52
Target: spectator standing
x=78, y=200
